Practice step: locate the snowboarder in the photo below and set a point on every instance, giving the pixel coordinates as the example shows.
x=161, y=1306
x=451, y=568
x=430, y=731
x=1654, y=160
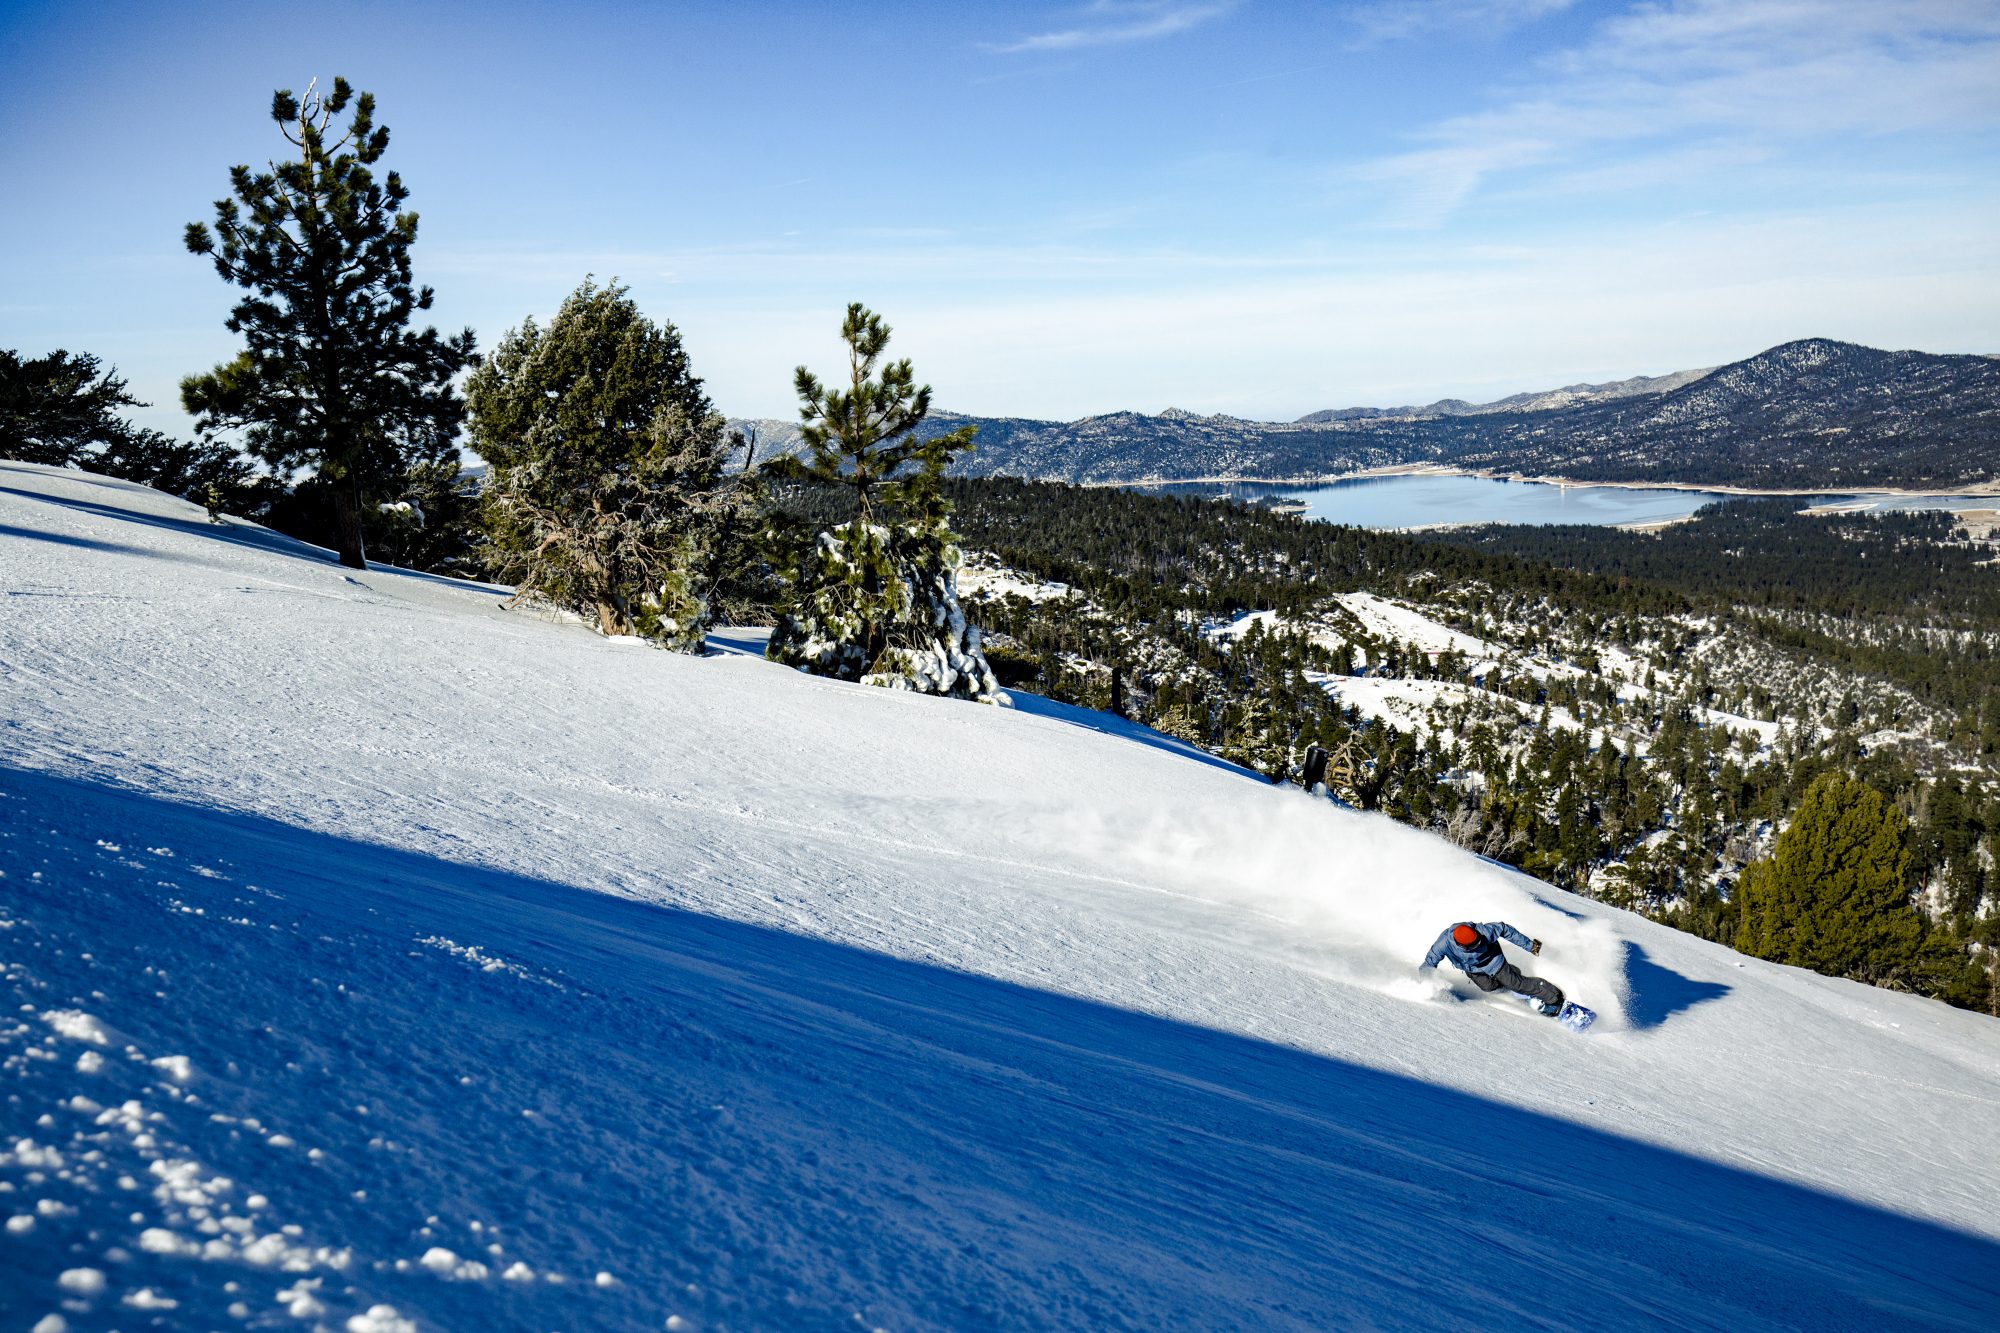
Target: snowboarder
x=1474, y=948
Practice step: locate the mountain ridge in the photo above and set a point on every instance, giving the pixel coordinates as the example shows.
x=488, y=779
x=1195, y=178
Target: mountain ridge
x=1808, y=414
x=1534, y=400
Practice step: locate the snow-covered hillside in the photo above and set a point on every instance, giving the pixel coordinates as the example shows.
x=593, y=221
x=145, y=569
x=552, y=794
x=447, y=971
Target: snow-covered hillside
x=1417, y=705
x=378, y=959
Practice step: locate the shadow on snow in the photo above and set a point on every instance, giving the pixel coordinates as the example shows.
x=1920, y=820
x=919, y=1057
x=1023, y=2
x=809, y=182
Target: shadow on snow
x=68, y=539
x=1110, y=724
x=237, y=532
x=1657, y=993
x=802, y=1129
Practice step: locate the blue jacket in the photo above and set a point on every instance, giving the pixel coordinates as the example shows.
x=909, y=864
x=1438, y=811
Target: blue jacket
x=1484, y=956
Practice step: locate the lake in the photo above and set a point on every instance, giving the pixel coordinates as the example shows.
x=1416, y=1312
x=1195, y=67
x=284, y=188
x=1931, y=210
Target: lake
x=1425, y=500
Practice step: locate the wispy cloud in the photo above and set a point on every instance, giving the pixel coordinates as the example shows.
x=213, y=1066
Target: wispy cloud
x=1011, y=325
x=1392, y=20
x=1752, y=75
x=1409, y=323
x=1116, y=22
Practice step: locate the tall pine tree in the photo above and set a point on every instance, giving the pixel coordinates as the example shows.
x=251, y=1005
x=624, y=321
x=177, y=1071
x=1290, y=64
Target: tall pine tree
x=332, y=376
x=1835, y=894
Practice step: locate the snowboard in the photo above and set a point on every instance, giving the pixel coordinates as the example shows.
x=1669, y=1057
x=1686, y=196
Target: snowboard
x=1572, y=1015
x=1575, y=1017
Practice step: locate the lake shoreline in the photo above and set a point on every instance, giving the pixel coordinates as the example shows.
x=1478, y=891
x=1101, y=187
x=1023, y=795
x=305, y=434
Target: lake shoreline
x=1990, y=489
x=1419, y=498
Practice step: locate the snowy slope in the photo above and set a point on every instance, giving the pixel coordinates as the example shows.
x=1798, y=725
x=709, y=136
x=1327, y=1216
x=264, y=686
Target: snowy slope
x=1404, y=624
x=376, y=958
x=1400, y=624
x=1406, y=703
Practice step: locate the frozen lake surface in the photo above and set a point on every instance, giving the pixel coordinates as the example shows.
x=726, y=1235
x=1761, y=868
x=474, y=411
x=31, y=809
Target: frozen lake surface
x=1426, y=500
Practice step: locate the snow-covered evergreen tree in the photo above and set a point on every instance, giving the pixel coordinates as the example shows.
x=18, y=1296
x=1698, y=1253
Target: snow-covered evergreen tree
x=876, y=599
x=892, y=587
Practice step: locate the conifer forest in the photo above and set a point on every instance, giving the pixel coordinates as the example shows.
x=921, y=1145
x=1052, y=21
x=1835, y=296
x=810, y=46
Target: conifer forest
x=1634, y=716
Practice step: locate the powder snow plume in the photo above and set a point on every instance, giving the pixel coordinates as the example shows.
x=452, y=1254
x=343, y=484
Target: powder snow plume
x=1353, y=896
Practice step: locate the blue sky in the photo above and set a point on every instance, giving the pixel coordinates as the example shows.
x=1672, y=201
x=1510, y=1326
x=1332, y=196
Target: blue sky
x=1252, y=207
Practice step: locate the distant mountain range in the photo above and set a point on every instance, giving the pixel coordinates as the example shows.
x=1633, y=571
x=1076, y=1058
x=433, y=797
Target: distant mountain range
x=1568, y=396
x=1813, y=414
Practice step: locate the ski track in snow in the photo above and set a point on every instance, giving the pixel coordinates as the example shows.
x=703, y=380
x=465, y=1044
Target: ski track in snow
x=377, y=959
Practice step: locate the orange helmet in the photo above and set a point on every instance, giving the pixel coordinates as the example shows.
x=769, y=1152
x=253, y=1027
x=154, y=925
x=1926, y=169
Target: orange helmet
x=1466, y=936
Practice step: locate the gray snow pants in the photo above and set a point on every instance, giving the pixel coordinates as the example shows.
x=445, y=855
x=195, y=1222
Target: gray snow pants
x=1511, y=978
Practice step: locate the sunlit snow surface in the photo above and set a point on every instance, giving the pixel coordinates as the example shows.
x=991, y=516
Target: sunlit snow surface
x=376, y=958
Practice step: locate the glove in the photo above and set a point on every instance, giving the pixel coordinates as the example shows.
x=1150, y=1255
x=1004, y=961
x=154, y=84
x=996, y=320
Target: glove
x=1534, y=946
